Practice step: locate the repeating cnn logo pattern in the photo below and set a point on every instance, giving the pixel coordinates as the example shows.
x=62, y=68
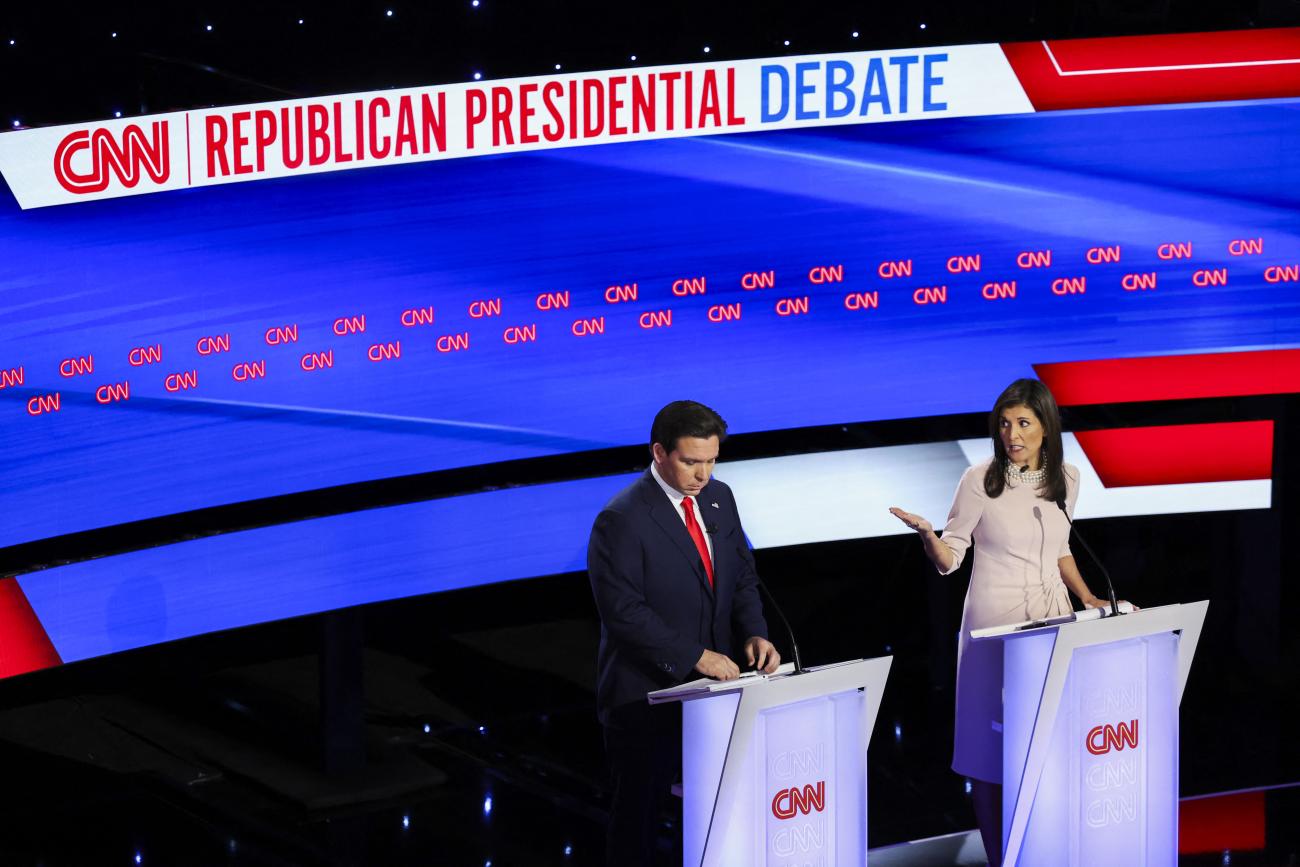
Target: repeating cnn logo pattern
x=128, y=160
x=1103, y=739
x=790, y=802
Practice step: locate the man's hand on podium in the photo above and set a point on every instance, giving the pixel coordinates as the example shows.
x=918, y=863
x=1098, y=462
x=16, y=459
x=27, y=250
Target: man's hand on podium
x=760, y=653
x=717, y=666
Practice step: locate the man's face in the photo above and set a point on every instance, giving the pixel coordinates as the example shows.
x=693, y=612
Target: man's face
x=687, y=467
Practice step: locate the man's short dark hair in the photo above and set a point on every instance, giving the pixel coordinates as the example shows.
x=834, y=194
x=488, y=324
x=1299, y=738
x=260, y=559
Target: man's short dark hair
x=686, y=418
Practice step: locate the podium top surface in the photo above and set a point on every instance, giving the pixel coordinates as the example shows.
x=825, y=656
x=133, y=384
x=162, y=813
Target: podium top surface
x=836, y=677
x=1131, y=623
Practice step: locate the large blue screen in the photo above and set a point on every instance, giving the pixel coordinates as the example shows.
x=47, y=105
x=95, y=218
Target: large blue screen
x=550, y=302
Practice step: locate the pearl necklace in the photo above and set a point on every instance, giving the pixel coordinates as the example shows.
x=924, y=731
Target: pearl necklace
x=1028, y=477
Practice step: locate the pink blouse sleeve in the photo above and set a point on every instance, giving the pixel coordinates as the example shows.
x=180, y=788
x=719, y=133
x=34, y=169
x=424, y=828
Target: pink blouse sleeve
x=967, y=506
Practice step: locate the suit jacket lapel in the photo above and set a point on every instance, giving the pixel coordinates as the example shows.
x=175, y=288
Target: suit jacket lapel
x=709, y=515
x=664, y=514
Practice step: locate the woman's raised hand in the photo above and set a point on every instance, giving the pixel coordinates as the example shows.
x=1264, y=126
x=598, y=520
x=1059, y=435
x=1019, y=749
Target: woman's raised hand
x=915, y=522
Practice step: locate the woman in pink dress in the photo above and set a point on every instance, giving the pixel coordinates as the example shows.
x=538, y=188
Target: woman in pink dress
x=1007, y=507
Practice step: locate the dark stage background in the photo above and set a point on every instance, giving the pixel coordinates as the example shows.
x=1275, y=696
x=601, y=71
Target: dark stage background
x=458, y=727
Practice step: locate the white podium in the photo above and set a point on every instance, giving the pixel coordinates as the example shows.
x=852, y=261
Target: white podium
x=774, y=767
x=1090, y=736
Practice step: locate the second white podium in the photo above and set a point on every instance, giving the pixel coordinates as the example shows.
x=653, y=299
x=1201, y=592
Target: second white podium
x=1090, y=737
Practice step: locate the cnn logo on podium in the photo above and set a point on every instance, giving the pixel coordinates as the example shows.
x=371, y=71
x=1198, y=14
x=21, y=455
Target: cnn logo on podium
x=86, y=161
x=790, y=802
x=1102, y=739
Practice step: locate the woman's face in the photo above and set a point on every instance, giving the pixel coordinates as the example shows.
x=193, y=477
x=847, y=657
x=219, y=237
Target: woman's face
x=1022, y=436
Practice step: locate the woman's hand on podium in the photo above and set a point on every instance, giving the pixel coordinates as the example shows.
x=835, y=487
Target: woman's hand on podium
x=1098, y=602
x=915, y=522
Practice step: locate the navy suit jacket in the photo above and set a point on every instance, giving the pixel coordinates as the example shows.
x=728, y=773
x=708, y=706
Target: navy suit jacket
x=657, y=611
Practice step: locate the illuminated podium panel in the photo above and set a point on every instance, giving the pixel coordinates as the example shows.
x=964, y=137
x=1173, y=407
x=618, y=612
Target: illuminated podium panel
x=1090, y=736
x=774, y=767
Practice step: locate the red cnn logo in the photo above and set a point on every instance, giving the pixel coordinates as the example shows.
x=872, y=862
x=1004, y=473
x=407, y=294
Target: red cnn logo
x=790, y=802
x=1103, y=739
x=108, y=157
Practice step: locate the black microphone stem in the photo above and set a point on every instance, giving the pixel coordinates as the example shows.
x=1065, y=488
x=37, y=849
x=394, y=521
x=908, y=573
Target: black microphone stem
x=1110, y=586
x=798, y=663
x=794, y=645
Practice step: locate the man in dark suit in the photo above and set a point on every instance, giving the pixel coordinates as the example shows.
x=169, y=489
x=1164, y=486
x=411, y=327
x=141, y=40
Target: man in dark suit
x=677, y=591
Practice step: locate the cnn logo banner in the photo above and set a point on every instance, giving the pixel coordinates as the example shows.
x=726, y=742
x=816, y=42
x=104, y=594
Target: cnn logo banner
x=103, y=160
x=232, y=144
x=87, y=161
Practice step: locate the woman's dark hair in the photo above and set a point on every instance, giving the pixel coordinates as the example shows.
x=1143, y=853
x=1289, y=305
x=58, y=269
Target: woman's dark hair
x=686, y=418
x=1033, y=394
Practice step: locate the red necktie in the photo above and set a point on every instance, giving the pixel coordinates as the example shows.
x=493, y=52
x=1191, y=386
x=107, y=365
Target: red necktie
x=693, y=527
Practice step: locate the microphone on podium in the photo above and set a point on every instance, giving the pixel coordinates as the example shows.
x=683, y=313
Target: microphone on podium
x=712, y=529
x=1110, y=586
